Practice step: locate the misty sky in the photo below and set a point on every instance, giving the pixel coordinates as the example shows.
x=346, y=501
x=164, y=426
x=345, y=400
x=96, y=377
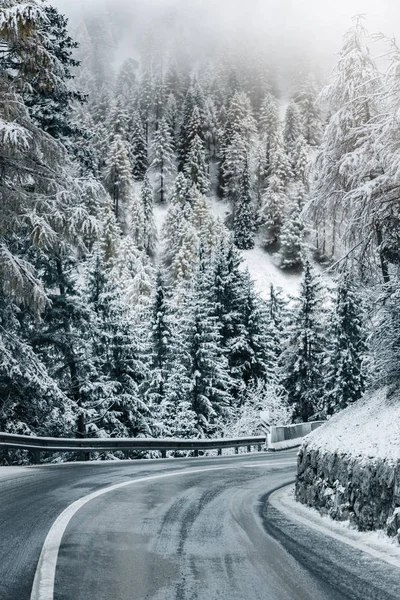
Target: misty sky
x=315, y=26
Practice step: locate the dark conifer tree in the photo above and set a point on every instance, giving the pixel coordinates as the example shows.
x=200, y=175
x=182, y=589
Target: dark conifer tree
x=345, y=382
x=304, y=358
x=244, y=222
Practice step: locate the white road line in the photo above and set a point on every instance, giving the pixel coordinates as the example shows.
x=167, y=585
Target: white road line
x=277, y=500
x=43, y=585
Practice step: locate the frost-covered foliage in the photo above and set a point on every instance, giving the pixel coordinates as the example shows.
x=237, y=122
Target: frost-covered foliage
x=261, y=397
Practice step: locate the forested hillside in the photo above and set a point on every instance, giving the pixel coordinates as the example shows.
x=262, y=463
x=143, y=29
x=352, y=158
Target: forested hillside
x=126, y=308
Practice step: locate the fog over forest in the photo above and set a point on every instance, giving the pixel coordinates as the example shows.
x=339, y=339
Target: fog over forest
x=292, y=30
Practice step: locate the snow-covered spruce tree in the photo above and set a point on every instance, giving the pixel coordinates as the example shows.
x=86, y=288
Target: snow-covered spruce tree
x=280, y=165
x=126, y=82
x=162, y=160
x=306, y=99
x=118, y=177
x=244, y=218
x=303, y=359
x=351, y=99
x=293, y=126
x=249, y=353
x=113, y=402
x=195, y=167
x=179, y=211
x=270, y=128
x=45, y=212
x=345, y=379
x=145, y=101
x=272, y=210
x=291, y=236
x=185, y=260
x=159, y=343
x=300, y=159
x=138, y=148
x=236, y=142
x=200, y=363
x=49, y=105
x=192, y=121
x=117, y=123
x=149, y=227
x=171, y=117
x=277, y=329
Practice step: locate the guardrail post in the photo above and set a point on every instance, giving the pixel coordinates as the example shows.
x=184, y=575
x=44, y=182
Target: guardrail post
x=196, y=453
x=35, y=456
x=259, y=447
x=236, y=449
x=163, y=454
x=248, y=448
x=83, y=455
x=219, y=451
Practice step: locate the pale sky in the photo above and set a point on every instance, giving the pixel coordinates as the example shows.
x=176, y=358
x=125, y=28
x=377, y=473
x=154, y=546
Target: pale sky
x=286, y=25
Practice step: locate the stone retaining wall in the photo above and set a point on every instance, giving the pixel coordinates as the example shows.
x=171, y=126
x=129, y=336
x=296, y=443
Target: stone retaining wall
x=365, y=491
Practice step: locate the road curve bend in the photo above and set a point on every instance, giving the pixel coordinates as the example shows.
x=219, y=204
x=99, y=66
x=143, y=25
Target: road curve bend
x=184, y=529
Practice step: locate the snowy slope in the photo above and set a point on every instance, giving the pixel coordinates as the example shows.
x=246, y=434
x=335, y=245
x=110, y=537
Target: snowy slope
x=369, y=428
x=259, y=262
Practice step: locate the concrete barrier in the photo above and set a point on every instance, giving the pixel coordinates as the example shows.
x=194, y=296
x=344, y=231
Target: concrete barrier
x=290, y=436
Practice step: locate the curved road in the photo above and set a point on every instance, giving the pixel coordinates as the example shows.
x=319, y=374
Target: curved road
x=191, y=529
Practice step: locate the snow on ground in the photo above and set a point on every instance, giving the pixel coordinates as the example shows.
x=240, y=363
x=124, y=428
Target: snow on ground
x=369, y=428
x=264, y=273
x=375, y=543
x=260, y=263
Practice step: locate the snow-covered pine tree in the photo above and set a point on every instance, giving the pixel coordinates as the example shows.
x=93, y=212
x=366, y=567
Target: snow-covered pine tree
x=192, y=121
x=276, y=332
x=171, y=117
x=206, y=364
x=272, y=210
x=303, y=359
x=138, y=148
x=126, y=82
x=311, y=117
x=300, y=160
x=149, y=227
x=270, y=130
x=293, y=126
x=51, y=107
x=195, y=167
x=118, y=177
x=244, y=218
x=113, y=403
x=145, y=101
x=45, y=216
x=185, y=260
x=345, y=380
x=236, y=142
x=291, y=237
x=159, y=343
x=117, y=122
x=162, y=160
x=179, y=210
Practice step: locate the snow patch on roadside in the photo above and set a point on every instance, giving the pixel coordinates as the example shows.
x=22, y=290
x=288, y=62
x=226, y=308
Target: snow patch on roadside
x=370, y=428
x=375, y=543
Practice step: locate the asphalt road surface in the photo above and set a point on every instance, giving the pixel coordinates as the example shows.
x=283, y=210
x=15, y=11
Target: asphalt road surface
x=190, y=529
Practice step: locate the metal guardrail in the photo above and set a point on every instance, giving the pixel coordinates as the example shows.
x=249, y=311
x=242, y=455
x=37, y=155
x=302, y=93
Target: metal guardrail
x=84, y=446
